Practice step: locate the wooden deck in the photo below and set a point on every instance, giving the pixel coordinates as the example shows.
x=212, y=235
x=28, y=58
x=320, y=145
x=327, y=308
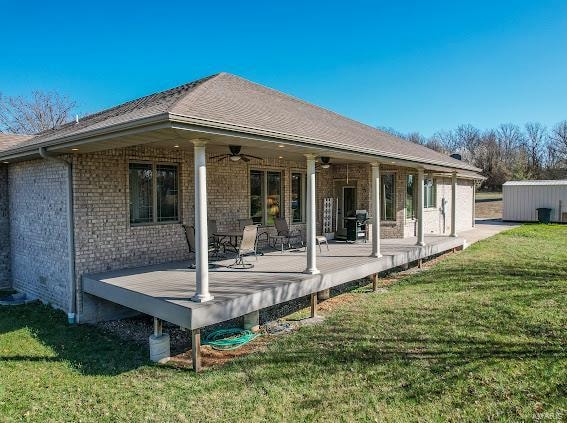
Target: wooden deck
x=164, y=291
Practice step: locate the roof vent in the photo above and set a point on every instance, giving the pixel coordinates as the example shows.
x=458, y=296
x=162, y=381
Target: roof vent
x=456, y=156
x=76, y=119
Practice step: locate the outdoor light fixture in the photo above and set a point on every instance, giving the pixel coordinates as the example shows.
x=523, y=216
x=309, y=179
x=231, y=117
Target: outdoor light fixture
x=74, y=149
x=325, y=162
x=281, y=146
x=175, y=146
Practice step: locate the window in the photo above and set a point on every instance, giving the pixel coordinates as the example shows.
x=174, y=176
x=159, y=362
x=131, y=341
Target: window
x=411, y=196
x=388, y=196
x=298, y=197
x=265, y=196
x=429, y=193
x=167, y=193
x=154, y=193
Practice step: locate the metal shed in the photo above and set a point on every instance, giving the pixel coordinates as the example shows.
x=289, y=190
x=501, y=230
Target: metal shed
x=523, y=198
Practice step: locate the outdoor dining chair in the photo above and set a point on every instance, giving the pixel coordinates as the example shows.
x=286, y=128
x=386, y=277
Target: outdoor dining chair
x=247, y=246
x=285, y=235
x=213, y=249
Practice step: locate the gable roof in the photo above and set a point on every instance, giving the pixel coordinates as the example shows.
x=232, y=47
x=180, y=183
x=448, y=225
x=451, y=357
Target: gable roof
x=225, y=100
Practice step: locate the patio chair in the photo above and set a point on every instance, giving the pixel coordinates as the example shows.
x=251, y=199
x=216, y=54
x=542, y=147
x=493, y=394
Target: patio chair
x=285, y=235
x=213, y=250
x=247, y=246
x=261, y=232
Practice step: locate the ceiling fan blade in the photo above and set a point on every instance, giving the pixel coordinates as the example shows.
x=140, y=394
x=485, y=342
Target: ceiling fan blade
x=244, y=158
x=220, y=155
x=252, y=157
x=223, y=158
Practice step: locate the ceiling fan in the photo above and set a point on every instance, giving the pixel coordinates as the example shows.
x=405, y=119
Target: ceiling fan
x=235, y=155
x=325, y=162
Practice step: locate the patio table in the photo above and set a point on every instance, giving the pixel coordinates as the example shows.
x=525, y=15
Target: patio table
x=232, y=238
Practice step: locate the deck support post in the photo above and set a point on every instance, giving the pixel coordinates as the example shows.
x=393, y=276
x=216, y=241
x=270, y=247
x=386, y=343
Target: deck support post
x=202, y=293
x=251, y=321
x=454, y=205
x=376, y=210
x=374, y=278
x=158, y=327
x=313, y=305
x=420, y=223
x=196, y=349
x=420, y=263
x=311, y=216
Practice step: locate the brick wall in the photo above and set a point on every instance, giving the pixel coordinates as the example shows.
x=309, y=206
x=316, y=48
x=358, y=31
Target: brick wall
x=5, y=276
x=38, y=231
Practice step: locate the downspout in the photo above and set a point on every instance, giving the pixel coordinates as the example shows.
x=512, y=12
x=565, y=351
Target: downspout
x=72, y=315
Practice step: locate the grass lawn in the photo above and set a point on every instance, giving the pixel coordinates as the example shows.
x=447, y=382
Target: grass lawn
x=481, y=335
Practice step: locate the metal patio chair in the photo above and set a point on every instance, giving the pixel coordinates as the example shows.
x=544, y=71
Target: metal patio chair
x=213, y=250
x=247, y=246
x=284, y=234
x=262, y=233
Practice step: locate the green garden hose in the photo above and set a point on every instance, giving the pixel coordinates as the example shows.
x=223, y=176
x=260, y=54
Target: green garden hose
x=229, y=339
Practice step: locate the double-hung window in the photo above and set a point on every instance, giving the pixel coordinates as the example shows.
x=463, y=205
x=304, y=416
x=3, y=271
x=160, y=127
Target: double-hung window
x=298, y=187
x=266, y=199
x=388, y=190
x=154, y=193
x=429, y=193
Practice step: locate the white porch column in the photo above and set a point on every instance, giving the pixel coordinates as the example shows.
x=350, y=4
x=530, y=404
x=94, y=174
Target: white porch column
x=202, y=293
x=420, y=226
x=311, y=216
x=376, y=207
x=454, y=205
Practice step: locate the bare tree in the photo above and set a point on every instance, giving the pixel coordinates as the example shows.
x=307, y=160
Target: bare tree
x=40, y=112
x=467, y=139
x=536, y=138
x=558, y=139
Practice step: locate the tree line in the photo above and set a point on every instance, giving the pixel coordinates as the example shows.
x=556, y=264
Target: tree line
x=508, y=152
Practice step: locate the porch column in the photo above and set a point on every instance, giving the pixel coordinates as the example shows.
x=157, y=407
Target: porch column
x=376, y=206
x=420, y=229
x=202, y=293
x=454, y=205
x=311, y=216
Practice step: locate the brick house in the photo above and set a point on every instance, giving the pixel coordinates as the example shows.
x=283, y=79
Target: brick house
x=112, y=190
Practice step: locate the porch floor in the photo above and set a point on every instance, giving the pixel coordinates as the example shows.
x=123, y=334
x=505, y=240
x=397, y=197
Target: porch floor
x=164, y=290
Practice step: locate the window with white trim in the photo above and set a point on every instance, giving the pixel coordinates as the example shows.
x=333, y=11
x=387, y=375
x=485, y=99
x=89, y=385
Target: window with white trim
x=429, y=193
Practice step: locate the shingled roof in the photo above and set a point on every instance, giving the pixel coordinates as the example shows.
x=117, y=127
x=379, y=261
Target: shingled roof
x=9, y=141
x=224, y=99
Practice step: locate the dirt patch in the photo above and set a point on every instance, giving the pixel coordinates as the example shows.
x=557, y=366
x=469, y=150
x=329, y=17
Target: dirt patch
x=489, y=209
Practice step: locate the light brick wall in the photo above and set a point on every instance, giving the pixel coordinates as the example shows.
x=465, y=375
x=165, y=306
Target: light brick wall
x=38, y=231
x=5, y=275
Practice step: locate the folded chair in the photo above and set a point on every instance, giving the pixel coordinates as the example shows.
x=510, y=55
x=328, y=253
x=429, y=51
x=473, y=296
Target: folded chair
x=247, y=246
x=262, y=233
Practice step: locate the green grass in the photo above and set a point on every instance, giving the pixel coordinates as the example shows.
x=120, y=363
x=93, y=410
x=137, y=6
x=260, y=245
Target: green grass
x=480, y=336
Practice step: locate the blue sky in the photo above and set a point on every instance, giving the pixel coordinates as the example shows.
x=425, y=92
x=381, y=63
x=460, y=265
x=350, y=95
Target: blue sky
x=415, y=66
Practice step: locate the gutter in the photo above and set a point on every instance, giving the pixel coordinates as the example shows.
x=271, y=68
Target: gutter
x=72, y=314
